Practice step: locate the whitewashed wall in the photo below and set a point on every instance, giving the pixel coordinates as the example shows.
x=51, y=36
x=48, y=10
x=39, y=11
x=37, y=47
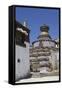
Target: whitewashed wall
x=48, y=43
x=36, y=44
x=22, y=67
x=57, y=55
x=53, y=59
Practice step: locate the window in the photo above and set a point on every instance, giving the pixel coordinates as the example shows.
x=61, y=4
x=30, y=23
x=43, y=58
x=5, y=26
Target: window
x=18, y=60
x=20, y=38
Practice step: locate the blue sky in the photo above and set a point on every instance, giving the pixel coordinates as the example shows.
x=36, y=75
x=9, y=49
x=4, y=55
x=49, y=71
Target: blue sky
x=37, y=17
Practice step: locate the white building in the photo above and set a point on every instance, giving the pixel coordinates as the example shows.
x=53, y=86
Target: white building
x=22, y=64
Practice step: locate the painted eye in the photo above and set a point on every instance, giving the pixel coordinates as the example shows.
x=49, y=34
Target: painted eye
x=18, y=60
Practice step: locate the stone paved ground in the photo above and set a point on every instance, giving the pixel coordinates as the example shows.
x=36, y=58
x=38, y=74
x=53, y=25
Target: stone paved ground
x=39, y=79
x=43, y=79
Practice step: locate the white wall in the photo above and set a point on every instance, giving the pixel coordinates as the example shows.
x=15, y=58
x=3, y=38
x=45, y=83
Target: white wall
x=57, y=60
x=36, y=44
x=23, y=67
x=53, y=59
x=48, y=43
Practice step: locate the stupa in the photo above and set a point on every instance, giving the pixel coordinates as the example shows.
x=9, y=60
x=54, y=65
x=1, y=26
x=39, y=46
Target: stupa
x=44, y=53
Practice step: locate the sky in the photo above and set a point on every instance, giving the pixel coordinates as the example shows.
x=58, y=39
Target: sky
x=36, y=17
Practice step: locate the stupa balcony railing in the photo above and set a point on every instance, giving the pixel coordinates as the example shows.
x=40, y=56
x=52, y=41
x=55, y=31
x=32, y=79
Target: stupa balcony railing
x=39, y=53
x=39, y=58
x=44, y=64
x=43, y=58
x=40, y=49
